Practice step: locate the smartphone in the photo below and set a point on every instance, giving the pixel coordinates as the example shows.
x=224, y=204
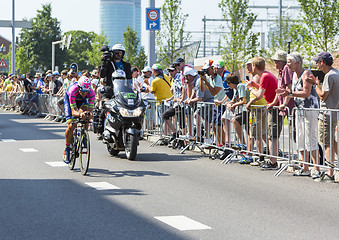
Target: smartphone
x=247, y=78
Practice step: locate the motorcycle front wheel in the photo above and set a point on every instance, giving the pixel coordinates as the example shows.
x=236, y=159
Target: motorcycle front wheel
x=131, y=146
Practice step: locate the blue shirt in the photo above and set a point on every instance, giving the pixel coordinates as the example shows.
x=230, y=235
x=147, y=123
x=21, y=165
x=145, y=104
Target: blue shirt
x=228, y=91
x=120, y=66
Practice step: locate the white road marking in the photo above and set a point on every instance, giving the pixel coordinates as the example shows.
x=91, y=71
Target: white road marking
x=56, y=164
x=101, y=185
x=28, y=150
x=8, y=140
x=182, y=223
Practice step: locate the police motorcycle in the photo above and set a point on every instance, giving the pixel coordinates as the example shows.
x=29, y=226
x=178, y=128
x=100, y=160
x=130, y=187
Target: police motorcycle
x=124, y=117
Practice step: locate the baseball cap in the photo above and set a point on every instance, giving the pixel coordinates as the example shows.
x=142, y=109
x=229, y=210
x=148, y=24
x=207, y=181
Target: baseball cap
x=95, y=82
x=279, y=55
x=179, y=60
x=216, y=64
x=23, y=76
x=49, y=75
x=56, y=73
x=190, y=71
x=156, y=66
x=146, y=69
x=325, y=56
x=207, y=64
x=94, y=72
x=171, y=68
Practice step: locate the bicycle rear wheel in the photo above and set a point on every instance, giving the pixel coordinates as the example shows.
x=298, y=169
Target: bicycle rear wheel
x=84, y=152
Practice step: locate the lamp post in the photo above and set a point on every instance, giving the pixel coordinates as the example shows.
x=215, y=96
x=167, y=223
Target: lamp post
x=289, y=40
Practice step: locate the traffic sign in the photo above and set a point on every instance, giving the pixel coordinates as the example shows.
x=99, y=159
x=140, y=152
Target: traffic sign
x=3, y=63
x=153, y=19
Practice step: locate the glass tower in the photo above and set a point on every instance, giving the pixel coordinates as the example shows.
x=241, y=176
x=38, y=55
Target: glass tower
x=116, y=15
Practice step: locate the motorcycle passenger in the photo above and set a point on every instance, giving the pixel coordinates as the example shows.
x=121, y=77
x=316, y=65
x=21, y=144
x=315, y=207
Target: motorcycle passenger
x=112, y=61
x=79, y=102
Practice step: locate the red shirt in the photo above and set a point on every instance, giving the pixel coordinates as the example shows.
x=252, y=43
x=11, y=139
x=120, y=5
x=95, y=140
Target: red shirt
x=270, y=83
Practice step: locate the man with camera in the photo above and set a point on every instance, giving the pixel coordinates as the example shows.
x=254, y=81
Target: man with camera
x=112, y=60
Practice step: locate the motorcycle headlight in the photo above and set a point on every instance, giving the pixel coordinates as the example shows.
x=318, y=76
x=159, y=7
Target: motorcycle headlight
x=130, y=113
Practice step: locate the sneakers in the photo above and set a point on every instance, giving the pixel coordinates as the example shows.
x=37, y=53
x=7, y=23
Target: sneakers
x=258, y=162
x=270, y=166
x=246, y=160
x=315, y=174
x=325, y=178
x=66, y=155
x=302, y=173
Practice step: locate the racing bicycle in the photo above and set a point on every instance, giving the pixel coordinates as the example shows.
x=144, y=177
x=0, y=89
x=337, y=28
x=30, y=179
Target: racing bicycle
x=80, y=147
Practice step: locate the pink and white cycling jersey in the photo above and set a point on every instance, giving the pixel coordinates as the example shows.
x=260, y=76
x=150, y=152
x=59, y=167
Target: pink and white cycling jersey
x=73, y=95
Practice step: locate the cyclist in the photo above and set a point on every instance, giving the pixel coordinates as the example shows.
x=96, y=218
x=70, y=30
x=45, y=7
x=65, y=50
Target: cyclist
x=79, y=102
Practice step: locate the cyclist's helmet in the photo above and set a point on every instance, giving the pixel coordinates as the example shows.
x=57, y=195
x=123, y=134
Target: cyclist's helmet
x=84, y=84
x=118, y=47
x=119, y=74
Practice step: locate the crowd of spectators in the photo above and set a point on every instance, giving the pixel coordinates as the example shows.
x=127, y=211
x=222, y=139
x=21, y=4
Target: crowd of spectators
x=204, y=107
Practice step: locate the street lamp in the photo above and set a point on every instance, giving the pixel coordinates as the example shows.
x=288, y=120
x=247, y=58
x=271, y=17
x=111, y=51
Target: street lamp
x=289, y=40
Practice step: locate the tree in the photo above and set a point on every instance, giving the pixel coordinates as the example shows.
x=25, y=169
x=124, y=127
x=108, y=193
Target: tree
x=133, y=55
x=94, y=54
x=171, y=35
x=241, y=42
x=322, y=20
x=36, y=43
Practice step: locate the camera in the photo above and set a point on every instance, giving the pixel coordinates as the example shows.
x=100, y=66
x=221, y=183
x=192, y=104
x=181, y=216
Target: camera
x=142, y=89
x=108, y=55
x=202, y=72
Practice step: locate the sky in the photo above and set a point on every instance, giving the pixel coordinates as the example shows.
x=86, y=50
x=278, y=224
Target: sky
x=84, y=14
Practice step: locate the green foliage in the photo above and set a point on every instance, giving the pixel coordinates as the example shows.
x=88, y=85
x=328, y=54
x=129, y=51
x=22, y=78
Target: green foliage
x=133, y=55
x=242, y=44
x=322, y=20
x=94, y=54
x=36, y=43
x=172, y=31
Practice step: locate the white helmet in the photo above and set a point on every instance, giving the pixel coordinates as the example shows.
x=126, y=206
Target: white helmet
x=118, y=46
x=119, y=74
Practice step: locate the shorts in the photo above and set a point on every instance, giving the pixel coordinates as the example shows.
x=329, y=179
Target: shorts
x=306, y=130
x=217, y=113
x=205, y=111
x=242, y=118
x=258, y=118
x=228, y=114
x=68, y=110
x=326, y=131
x=275, y=123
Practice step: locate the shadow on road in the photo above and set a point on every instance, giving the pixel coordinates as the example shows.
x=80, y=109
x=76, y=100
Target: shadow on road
x=95, y=172
x=64, y=209
x=29, y=128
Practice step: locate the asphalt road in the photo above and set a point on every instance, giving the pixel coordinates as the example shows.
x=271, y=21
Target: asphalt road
x=162, y=195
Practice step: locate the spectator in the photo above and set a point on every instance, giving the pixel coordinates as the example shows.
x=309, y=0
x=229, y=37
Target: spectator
x=220, y=107
x=205, y=110
x=55, y=85
x=237, y=104
x=137, y=79
x=328, y=93
x=284, y=81
x=177, y=90
x=161, y=85
x=266, y=88
x=305, y=97
x=257, y=118
x=213, y=82
x=58, y=76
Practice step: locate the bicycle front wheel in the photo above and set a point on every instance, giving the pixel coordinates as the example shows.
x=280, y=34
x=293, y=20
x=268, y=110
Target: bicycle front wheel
x=84, y=152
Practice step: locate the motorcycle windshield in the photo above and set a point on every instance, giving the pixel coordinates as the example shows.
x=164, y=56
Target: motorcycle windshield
x=124, y=93
x=123, y=86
